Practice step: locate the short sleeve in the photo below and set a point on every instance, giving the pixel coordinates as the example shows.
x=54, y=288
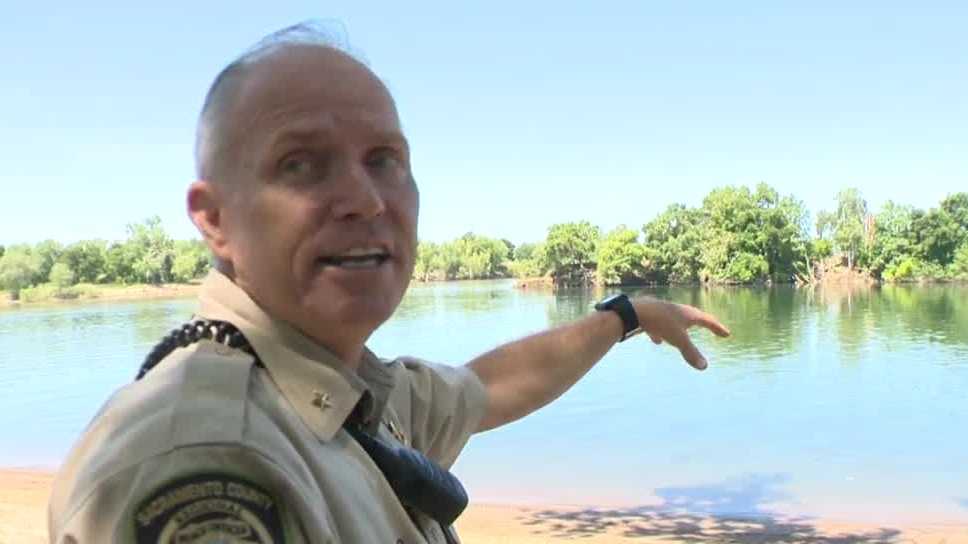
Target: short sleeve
x=203, y=493
x=446, y=406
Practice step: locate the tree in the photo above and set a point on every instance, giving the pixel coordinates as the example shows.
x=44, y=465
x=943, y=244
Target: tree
x=191, y=260
x=47, y=253
x=570, y=249
x=848, y=224
x=507, y=243
x=529, y=261
x=119, y=263
x=956, y=206
x=154, y=250
x=936, y=236
x=427, y=257
x=782, y=235
x=524, y=252
x=749, y=236
x=480, y=257
x=672, y=245
x=621, y=258
x=87, y=259
x=18, y=268
x=825, y=224
x=61, y=276
x=959, y=267
x=892, y=241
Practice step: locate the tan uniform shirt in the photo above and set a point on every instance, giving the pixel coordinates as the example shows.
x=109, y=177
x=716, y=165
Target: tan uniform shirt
x=210, y=447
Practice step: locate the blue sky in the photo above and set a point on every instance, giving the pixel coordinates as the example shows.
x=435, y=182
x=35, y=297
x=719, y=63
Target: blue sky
x=520, y=114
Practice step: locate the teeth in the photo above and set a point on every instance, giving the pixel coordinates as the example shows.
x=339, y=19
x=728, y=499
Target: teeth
x=362, y=251
x=361, y=263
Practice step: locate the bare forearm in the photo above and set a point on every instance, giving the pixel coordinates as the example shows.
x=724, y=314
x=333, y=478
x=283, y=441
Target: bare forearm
x=526, y=374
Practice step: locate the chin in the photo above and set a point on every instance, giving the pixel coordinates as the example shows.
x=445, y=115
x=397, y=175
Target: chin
x=355, y=315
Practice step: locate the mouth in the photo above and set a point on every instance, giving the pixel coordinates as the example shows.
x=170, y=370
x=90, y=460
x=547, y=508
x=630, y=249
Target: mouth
x=356, y=258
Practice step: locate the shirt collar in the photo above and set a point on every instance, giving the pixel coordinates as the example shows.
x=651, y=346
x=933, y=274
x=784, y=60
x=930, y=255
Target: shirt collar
x=312, y=379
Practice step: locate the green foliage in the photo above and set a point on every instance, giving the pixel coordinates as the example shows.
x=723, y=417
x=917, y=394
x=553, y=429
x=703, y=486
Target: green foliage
x=908, y=244
x=39, y=293
x=672, y=245
x=466, y=258
x=752, y=236
x=61, y=276
x=529, y=261
x=848, y=224
x=621, y=258
x=525, y=252
x=480, y=257
x=820, y=249
x=154, y=251
x=18, y=269
x=825, y=224
x=191, y=260
x=119, y=263
x=959, y=267
x=738, y=235
x=937, y=235
x=47, y=253
x=87, y=259
x=570, y=250
x=428, y=254
x=956, y=206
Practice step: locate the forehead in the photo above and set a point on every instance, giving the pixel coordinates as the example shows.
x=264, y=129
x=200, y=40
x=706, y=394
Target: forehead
x=303, y=88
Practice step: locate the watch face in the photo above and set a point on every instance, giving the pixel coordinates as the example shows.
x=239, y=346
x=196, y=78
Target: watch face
x=608, y=302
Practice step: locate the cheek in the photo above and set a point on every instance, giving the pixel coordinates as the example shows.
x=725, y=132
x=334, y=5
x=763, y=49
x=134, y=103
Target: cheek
x=409, y=208
x=273, y=226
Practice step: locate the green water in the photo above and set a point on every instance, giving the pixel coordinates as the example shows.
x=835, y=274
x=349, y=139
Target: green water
x=826, y=403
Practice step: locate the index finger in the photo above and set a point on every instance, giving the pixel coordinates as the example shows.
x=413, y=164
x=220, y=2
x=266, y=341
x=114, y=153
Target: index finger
x=710, y=322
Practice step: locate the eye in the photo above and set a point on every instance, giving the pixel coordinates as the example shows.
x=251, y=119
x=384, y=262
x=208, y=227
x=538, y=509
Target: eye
x=385, y=160
x=299, y=167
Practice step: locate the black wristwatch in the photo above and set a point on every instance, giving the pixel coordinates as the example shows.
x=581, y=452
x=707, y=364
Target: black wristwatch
x=621, y=305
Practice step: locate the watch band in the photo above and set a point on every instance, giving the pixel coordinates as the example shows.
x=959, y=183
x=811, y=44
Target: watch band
x=621, y=305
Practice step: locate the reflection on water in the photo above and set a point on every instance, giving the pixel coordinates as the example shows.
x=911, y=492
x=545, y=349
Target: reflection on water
x=837, y=400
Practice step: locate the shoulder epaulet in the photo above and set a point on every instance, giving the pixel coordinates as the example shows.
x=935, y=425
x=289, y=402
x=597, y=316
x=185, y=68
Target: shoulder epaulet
x=211, y=396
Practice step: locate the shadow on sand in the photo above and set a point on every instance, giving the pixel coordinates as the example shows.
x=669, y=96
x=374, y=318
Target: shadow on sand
x=728, y=512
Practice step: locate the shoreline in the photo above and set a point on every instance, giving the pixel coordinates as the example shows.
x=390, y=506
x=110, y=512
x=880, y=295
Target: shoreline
x=112, y=293
x=24, y=494
x=127, y=293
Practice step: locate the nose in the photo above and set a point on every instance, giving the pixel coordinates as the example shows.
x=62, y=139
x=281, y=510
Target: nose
x=357, y=195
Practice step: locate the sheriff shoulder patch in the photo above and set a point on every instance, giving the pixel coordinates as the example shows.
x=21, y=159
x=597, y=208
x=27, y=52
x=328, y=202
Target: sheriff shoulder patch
x=208, y=508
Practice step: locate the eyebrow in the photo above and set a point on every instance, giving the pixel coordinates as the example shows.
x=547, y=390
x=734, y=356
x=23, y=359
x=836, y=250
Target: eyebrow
x=304, y=135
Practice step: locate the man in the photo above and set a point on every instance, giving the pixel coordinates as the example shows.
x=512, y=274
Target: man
x=306, y=199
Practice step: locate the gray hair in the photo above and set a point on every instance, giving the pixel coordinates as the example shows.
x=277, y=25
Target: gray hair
x=209, y=135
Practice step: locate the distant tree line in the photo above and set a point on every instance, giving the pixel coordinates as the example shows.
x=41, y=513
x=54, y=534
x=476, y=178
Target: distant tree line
x=737, y=236
x=148, y=255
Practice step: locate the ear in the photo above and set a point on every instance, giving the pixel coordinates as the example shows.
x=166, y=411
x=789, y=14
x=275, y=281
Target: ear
x=205, y=203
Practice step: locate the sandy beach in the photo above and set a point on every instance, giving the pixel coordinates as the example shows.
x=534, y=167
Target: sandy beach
x=24, y=494
x=113, y=293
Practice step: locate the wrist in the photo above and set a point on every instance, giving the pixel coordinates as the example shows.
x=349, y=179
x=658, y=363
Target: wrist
x=612, y=324
x=621, y=307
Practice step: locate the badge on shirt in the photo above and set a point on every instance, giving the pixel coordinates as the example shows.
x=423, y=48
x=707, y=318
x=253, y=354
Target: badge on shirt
x=208, y=508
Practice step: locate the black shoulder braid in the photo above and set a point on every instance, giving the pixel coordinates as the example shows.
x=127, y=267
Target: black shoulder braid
x=417, y=480
x=222, y=332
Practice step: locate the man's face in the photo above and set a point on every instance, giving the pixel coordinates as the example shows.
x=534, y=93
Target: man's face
x=321, y=227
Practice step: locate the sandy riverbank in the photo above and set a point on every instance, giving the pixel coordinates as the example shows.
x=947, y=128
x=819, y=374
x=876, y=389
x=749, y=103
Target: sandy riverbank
x=107, y=293
x=24, y=493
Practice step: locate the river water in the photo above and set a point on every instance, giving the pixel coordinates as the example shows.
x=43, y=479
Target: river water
x=833, y=403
